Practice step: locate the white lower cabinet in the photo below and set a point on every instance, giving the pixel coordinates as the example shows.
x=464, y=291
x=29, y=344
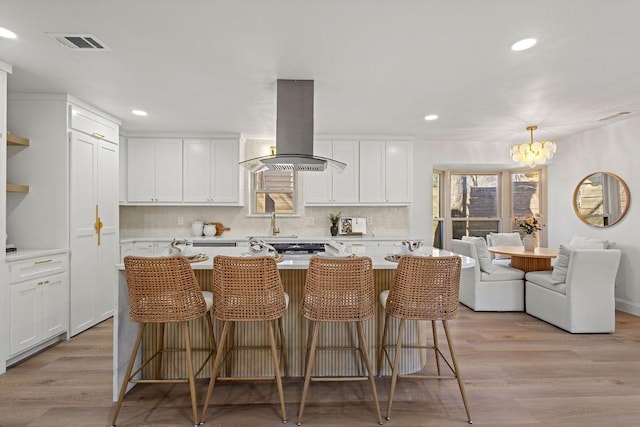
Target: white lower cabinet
x=39, y=302
x=150, y=248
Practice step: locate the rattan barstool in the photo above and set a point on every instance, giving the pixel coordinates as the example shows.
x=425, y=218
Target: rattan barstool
x=338, y=290
x=424, y=288
x=248, y=289
x=164, y=290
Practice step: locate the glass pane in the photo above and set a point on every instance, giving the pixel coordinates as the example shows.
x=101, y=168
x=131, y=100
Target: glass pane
x=437, y=228
x=525, y=193
x=474, y=196
x=435, y=196
x=474, y=228
x=274, y=202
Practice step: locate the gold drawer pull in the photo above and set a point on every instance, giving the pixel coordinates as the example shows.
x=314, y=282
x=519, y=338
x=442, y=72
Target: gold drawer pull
x=44, y=282
x=98, y=135
x=43, y=261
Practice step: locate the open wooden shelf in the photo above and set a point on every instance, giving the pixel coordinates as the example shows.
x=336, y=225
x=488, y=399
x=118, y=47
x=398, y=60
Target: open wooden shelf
x=17, y=140
x=17, y=188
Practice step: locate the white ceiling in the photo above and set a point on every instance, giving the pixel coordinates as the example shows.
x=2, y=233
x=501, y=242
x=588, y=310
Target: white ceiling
x=379, y=66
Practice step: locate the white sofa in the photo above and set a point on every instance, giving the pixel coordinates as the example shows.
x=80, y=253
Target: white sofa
x=584, y=301
x=496, y=288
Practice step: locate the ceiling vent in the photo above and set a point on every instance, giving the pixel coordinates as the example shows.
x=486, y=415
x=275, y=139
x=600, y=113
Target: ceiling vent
x=614, y=116
x=80, y=41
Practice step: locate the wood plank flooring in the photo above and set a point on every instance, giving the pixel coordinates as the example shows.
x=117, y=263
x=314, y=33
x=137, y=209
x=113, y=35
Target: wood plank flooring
x=518, y=371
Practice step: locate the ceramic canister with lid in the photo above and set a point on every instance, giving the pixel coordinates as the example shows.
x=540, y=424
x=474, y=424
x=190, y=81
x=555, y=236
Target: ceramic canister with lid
x=197, y=227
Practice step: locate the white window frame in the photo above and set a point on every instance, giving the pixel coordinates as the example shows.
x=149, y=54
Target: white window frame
x=255, y=191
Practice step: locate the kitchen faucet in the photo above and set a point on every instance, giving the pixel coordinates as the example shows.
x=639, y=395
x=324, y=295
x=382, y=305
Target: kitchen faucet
x=274, y=228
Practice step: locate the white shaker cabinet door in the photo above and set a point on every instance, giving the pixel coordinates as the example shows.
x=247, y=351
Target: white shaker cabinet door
x=372, y=172
x=197, y=170
x=398, y=172
x=225, y=173
x=168, y=173
x=55, y=305
x=25, y=315
x=345, y=184
x=318, y=187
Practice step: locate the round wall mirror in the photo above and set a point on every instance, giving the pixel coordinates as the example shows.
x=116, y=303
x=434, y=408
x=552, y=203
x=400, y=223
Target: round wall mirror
x=601, y=199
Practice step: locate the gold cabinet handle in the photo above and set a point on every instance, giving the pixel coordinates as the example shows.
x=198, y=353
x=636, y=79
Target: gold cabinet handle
x=98, y=135
x=98, y=225
x=42, y=261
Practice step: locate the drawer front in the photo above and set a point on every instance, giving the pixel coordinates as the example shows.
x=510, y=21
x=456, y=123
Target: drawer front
x=92, y=124
x=37, y=267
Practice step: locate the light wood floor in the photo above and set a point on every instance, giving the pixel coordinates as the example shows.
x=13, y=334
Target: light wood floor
x=517, y=370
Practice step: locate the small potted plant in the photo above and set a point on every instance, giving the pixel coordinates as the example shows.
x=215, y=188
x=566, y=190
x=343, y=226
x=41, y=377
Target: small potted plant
x=334, y=218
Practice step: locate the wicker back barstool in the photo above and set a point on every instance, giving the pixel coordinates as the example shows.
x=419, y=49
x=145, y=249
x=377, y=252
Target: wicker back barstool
x=338, y=290
x=424, y=288
x=164, y=290
x=248, y=289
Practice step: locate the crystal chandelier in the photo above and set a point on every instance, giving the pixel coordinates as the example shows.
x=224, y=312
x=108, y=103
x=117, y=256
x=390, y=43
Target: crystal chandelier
x=533, y=153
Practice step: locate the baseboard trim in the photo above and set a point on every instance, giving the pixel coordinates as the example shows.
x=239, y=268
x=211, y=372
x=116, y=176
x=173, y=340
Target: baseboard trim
x=628, y=306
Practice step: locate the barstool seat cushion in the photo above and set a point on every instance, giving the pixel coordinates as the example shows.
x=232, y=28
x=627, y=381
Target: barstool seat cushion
x=208, y=299
x=383, y=298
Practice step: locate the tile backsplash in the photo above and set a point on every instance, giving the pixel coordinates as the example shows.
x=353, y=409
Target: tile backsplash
x=162, y=221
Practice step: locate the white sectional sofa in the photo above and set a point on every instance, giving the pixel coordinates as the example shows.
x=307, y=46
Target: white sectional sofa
x=488, y=286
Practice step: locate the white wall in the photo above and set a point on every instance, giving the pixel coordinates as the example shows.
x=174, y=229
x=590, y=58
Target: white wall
x=613, y=148
x=4, y=271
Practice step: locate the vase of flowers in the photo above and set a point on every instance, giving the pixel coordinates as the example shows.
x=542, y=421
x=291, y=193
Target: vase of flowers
x=334, y=218
x=530, y=224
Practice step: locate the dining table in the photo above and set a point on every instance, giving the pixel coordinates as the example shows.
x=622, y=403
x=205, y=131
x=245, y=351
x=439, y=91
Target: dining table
x=538, y=259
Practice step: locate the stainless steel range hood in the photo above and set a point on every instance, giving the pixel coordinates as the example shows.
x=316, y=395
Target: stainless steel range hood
x=294, y=132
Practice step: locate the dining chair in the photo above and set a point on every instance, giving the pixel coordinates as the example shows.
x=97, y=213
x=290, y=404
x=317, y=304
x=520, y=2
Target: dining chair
x=424, y=288
x=164, y=290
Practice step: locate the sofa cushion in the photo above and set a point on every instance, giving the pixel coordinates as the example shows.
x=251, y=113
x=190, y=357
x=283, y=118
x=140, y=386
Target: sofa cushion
x=484, y=257
x=504, y=239
x=543, y=279
x=559, y=274
x=502, y=273
x=579, y=242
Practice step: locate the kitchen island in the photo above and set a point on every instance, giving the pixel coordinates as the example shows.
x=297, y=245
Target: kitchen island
x=293, y=270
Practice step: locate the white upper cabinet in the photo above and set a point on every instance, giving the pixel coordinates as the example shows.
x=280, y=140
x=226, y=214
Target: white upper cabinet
x=386, y=172
x=154, y=170
x=211, y=171
x=330, y=187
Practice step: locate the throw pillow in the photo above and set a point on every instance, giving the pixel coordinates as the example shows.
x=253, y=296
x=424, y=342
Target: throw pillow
x=484, y=257
x=504, y=239
x=559, y=273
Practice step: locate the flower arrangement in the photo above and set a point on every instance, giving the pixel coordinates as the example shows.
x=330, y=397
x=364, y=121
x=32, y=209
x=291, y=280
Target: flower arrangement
x=335, y=218
x=530, y=223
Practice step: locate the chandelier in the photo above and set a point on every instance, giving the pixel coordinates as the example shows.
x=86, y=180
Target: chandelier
x=533, y=153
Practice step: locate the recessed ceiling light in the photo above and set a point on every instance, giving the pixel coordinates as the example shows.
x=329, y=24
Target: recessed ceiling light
x=523, y=44
x=7, y=34
x=431, y=117
x=139, y=112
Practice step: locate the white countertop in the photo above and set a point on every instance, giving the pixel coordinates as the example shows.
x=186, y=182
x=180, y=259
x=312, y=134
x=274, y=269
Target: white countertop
x=230, y=238
x=22, y=254
x=301, y=262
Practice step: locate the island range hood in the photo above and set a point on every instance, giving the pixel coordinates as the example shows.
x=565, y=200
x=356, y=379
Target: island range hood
x=294, y=133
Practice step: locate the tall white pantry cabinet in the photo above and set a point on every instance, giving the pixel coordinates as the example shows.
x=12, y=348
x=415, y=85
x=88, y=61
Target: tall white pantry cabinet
x=72, y=169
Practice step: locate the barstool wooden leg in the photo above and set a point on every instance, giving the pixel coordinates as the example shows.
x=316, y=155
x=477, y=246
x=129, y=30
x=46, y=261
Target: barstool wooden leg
x=383, y=344
x=396, y=365
x=435, y=345
x=457, y=371
x=190, y=373
x=309, y=367
x=215, y=368
x=283, y=349
x=212, y=334
x=159, y=349
x=362, y=342
x=276, y=368
x=127, y=374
